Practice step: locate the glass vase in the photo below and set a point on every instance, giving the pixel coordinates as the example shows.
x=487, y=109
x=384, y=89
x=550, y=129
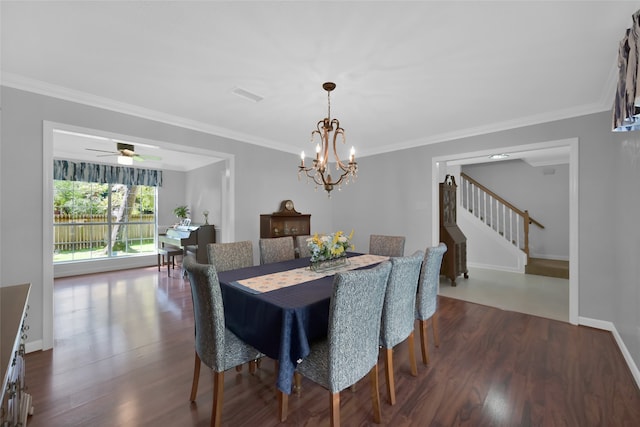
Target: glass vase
x=328, y=264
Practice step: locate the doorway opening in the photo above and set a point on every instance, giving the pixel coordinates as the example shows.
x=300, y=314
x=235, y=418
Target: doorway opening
x=49, y=128
x=439, y=169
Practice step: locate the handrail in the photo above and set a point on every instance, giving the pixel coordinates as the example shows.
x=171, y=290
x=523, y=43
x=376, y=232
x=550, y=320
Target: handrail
x=523, y=214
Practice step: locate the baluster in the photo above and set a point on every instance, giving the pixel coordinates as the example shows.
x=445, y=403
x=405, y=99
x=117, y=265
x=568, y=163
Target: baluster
x=476, y=202
x=504, y=221
x=484, y=207
x=518, y=232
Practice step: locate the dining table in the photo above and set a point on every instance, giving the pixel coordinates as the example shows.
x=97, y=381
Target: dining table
x=281, y=308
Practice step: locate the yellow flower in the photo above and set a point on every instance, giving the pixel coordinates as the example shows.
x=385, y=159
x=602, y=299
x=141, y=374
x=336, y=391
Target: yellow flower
x=316, y=240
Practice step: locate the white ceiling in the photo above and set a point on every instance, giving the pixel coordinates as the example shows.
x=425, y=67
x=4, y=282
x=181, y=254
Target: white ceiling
x=407, y=73
x=100, y=147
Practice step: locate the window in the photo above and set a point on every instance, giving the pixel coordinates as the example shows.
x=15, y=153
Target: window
x=102, y=220
x=103, y=211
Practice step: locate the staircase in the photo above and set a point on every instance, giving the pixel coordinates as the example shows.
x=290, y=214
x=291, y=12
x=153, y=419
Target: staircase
x=508, y=222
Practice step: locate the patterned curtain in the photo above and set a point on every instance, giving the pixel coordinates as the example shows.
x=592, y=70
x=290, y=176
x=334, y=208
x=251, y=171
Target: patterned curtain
x=105, y=174
x=626, y=111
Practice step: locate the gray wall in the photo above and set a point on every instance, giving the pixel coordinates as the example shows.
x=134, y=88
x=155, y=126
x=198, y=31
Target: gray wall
x=203, y=191
x=392, y=196
x=170, y=195
x=545, y=196
x=621, y=220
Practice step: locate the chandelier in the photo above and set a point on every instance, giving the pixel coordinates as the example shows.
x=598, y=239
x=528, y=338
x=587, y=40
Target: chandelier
x=328, y=130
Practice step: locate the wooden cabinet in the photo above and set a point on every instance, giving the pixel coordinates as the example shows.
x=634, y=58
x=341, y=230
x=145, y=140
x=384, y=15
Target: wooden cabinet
x=454, y=262
x=285, y=222
x=16, y=402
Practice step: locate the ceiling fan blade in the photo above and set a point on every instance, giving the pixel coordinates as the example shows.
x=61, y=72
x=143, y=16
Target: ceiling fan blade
x=147, y=157
x=102, y=151
x=107, y=155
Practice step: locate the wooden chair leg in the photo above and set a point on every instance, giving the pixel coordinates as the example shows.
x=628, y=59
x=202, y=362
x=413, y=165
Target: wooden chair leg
x=297, y=383
x=239, y=368
x=283, y=405
x=196, y=377
x=412, y=354
x=218, y=392
x=335, y=409
x=253, y=366
x=434, y=325
x=391, y=387
x=375, y=395
x=424, y=342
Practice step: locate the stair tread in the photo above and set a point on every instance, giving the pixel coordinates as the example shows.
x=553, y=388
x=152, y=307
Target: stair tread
x=548, y=267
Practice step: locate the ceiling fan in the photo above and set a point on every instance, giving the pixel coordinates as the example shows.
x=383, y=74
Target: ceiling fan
x=126, y=150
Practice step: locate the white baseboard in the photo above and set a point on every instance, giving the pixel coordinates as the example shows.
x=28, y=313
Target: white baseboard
x=609, y=326
x=102, y=265
x=495, y=267
x=32, y=346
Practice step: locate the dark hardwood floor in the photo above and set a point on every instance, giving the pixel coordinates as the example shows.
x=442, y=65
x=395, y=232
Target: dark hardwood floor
x=124, y=353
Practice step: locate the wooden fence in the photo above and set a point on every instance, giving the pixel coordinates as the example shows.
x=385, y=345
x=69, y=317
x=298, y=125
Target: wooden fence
x=76, y=232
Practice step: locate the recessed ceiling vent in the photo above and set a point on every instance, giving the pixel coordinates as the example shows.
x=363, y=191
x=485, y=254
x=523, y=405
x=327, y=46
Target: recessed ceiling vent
x=246, y=94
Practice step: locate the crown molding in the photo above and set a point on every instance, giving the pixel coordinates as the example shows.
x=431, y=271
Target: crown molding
x=47, y=89
x=497, y=127
x=31, y=85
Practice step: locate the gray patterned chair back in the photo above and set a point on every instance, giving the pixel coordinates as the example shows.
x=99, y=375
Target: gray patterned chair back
x=303, y=248
x=355, y=312
x=386, y=245
x=398, y=317
x=276, y=250
x=218, y=348
x=231, y=255
x=427, y=299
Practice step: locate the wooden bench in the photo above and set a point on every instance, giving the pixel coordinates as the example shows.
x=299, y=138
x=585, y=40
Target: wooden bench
x=170, y=252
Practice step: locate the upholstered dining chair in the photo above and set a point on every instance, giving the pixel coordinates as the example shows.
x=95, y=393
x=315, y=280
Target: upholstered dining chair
x=351, y=348
x=427, y=298
x=276, y=249
x=230, y=255
x=398, y=314
x=386, y=245
x=216, y=346
x=303, y=249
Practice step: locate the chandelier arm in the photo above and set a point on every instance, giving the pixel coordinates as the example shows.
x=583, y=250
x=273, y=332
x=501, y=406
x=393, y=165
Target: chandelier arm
x=339, y=131
x=315, y=180
x=314, y=176
x=325, y=148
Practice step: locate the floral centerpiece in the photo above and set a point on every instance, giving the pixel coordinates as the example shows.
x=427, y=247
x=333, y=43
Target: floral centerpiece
x=329, y=251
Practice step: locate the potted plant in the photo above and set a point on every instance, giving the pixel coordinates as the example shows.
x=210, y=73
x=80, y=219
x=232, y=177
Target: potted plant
x=181, y=211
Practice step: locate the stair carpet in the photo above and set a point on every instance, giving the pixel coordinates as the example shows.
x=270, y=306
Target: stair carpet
x=548, y=267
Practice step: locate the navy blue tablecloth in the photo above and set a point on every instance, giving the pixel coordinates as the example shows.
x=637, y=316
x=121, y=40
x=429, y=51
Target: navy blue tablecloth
x=281, y=323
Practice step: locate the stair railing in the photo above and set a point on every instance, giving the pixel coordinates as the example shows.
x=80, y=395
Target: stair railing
x=503, y=217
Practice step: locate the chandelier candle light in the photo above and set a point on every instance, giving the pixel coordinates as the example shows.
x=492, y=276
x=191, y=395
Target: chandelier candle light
x=329, y=129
